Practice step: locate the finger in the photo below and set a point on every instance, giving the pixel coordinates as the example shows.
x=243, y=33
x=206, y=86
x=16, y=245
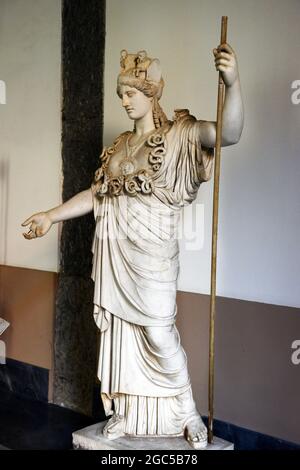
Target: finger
x=28, y=236
x=226, y=66
x=222, y=68
x=225, y=47
x=222, y=62
x=224, y=55
x=32, y=233
x=32, y=230
x=27, y=221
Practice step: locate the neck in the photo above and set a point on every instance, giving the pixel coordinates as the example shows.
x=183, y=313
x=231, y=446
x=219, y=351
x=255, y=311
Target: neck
x=144, y=124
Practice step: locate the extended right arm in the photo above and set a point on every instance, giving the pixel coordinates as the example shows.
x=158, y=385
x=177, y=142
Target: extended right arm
x=40, y=223
x=78, y=205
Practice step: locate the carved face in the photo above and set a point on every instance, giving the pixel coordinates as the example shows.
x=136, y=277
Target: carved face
x=136, y=104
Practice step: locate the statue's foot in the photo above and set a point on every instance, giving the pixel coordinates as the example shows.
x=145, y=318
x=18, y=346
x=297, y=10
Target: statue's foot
x=114, y=428
x=196, y=433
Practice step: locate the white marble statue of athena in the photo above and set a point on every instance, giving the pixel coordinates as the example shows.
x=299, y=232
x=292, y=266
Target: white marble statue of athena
x=143, y=181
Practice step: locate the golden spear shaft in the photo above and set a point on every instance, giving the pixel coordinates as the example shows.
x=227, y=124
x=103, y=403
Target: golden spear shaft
x=221, y=93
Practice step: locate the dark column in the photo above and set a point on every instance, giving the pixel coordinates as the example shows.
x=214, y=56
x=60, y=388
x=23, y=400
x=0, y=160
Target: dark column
x=83, y=40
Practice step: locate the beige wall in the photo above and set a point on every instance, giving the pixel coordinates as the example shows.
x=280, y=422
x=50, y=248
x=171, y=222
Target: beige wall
x=27, y=302
x=259, y=231
x=30, y=163
x=257, y=386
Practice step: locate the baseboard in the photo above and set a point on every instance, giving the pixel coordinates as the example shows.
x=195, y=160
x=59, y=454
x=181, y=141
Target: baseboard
x=246, y=439
x=31, y=382
x=25, y=380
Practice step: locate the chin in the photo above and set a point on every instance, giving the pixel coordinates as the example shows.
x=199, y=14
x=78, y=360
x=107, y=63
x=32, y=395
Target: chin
x=132, y=116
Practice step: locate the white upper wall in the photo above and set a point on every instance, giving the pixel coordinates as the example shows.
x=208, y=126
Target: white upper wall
x=259, y=228
x=30, y=127
x=258, y=255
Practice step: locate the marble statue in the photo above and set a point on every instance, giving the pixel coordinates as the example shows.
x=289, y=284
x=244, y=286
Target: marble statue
x=143, y=181
x=3, y=325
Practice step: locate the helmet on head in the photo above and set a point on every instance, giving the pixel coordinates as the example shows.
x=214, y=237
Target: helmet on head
x=141, y=72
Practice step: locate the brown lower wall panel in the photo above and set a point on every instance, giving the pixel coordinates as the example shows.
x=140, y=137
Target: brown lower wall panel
x=256, y=384
x=27, y=301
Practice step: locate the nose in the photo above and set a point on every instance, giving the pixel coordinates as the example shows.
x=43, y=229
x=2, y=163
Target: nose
x=125, y=101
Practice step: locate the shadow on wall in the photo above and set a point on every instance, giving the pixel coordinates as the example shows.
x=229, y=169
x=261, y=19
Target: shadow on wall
x=4, y=184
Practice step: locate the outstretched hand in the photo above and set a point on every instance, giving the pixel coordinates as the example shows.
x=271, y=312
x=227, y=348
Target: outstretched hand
x=226, y=63
x=40, y=224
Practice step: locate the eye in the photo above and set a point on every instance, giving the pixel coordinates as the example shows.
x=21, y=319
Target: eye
x=130, y=93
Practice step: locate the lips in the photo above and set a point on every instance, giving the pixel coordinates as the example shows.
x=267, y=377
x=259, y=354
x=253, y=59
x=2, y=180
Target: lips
x=129, y=109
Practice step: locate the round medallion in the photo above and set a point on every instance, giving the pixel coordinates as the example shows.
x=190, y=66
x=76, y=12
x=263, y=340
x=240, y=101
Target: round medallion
x=127, y=167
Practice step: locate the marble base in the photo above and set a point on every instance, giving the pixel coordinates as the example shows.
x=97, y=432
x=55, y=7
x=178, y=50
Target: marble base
x=88, y=439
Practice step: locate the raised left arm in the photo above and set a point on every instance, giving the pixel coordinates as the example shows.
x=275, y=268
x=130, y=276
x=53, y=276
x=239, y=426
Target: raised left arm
x=233, y=112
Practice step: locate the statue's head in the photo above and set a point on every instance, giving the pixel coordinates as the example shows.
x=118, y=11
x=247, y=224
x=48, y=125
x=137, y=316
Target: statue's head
x=140, y=79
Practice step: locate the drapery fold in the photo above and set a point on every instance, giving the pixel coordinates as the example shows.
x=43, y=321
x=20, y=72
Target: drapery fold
x=135, y=270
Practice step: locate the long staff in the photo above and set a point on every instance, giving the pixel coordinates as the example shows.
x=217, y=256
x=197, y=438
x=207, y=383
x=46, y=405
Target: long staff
x=221, y=94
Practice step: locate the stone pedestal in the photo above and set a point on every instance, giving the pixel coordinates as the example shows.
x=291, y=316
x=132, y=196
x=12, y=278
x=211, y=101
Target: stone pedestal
x=89, y=439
